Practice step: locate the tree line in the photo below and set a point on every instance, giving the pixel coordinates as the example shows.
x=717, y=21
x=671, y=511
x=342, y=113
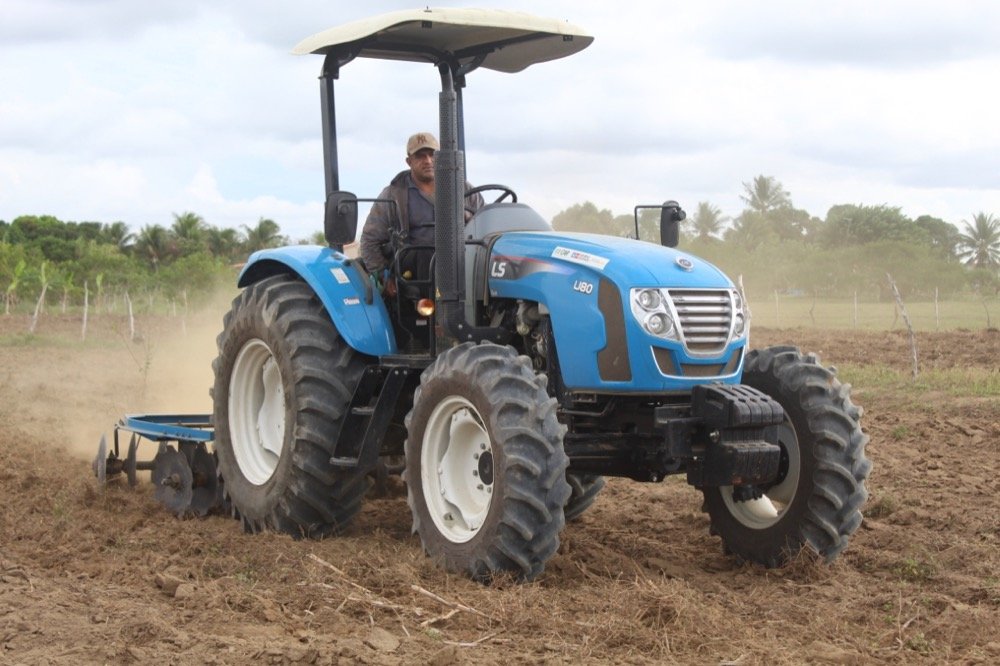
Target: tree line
x=772, y=244
x=778, y=247
x=69, y=259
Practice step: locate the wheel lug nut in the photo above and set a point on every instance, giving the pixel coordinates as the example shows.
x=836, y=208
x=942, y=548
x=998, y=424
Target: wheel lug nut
x=475, y=456
x=479, y=487
x=482, y=445
x=475, y=473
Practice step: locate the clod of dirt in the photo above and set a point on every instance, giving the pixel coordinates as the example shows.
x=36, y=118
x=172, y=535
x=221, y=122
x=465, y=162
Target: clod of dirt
x=169, y=584
x=825, y=653
x=449, y=656
x=382, y=640
x=184, y=591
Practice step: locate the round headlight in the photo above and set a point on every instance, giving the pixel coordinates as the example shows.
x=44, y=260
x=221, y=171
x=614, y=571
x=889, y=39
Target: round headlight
x=649, y=299
x=739, y=324
x=738, y=301
x=659, y=324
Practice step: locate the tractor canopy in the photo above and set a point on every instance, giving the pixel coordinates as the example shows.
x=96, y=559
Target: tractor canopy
x=495, y=39
x=456, y=42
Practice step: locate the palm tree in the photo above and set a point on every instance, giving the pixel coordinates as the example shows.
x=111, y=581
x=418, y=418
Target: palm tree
x=223, y=243
x=707, y=221
x=980, y=244
x=750, y=230
x=189, y=230
x=265, y=234
x=153, y=243
x=117, y=234
x=765, y=194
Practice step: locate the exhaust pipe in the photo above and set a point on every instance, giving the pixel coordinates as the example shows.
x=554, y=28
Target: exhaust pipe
x=449, y=246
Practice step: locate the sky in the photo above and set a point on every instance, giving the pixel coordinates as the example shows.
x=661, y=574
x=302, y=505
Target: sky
x=116, y=110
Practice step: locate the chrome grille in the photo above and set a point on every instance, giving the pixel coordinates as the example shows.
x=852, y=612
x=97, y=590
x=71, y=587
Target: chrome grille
x=705, y=317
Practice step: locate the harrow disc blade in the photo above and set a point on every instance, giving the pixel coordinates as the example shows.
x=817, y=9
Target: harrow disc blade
x=173, y=480
x=100, y=463
x=130, y=461
x=205, y=484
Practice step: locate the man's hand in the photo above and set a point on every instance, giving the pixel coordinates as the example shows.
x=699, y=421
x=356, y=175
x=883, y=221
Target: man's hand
x=389, y=290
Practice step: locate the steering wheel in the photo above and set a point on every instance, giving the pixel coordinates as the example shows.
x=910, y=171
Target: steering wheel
x=503, y=189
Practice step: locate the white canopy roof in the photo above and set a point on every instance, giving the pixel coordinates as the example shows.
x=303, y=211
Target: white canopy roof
x=508, y=41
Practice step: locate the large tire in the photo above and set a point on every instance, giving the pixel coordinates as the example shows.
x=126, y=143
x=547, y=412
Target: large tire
x=283, y=381
x=584, y=489
x=485, y=466
x=816, y=501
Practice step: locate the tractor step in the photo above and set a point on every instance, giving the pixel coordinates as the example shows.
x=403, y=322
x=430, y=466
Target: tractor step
x=372, y=407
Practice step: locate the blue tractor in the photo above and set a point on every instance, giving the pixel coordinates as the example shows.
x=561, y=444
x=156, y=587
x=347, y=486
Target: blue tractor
x=519, y=368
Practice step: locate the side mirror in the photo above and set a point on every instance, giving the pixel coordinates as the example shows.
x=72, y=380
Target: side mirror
x=340, y=223
x=671, y=215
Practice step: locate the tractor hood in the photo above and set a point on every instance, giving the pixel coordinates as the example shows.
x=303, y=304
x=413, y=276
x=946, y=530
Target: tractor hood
x=587, y=283
x=627, y=262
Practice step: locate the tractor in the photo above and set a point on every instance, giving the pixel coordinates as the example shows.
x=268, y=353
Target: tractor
x=510, y=374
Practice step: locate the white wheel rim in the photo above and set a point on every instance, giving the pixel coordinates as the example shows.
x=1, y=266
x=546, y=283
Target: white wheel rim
x=256, y=411
x=456, y=462
x=765, y=511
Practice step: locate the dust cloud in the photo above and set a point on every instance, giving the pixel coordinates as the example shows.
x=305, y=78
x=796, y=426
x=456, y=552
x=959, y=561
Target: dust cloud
x=70, y=394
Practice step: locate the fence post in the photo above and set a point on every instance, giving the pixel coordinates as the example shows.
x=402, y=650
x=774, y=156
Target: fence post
x=86, y=307
x=131, y=318
x=39, y=306
x=906, y=319
x=937, y=313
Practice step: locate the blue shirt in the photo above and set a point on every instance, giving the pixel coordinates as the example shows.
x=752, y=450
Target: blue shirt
x=420, y=210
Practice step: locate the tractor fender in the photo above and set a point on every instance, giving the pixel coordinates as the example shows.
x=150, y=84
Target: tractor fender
x=340, y=286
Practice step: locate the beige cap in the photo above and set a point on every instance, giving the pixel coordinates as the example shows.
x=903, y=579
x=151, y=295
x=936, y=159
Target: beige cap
x=422, y=140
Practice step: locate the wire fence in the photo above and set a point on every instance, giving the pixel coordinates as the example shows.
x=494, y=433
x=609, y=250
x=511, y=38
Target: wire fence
x=780, y=310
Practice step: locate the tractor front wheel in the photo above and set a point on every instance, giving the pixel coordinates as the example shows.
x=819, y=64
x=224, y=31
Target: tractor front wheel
x=584, y=489
x=485, y=466
x=816, y=499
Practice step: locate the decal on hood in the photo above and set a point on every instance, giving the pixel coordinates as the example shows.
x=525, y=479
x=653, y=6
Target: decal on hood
x=514, y=268
x=581, y=258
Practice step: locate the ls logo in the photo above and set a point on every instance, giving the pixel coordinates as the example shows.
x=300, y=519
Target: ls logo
x=583, y=287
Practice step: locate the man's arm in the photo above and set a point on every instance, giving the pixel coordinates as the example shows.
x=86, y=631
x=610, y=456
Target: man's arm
x=473, y=203
x=375, y=235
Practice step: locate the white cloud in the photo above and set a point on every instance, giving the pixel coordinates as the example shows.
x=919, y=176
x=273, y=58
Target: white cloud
x=116, y=110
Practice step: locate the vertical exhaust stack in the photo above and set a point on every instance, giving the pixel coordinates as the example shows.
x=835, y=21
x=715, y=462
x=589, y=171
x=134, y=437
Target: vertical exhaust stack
x=449, y=245
x=449, y=180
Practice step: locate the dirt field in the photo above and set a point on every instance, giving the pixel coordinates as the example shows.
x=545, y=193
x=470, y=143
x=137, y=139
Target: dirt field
x=109, y=577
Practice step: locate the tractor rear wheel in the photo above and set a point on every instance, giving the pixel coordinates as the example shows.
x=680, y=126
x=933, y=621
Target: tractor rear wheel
x=816, y=500
x=485, y=466
x=283, y=381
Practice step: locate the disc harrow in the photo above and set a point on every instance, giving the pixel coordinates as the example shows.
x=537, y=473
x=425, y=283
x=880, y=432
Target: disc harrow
x=183, y=471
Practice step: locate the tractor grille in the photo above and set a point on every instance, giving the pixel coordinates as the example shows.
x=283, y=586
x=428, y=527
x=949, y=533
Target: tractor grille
x=705, y=316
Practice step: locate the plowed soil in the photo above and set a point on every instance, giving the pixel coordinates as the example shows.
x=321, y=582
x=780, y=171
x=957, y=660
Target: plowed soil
x=91, y=575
